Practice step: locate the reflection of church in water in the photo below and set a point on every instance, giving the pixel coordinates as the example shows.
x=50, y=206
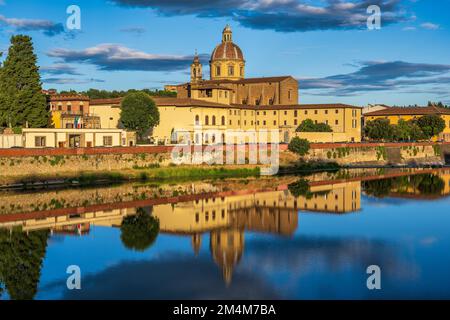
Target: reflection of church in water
x=224, y=218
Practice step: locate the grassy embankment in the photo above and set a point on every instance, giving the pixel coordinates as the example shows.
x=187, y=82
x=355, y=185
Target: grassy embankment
x=171, y=174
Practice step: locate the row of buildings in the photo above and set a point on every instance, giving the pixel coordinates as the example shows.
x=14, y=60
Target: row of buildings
x=206, y=111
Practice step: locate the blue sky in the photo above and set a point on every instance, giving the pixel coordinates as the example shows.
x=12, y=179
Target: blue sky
x=325, y=44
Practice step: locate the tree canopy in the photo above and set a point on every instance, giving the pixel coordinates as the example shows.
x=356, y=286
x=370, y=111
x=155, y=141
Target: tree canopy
x=105, y=94
x=425, y=127
x=21, y=98
x=139, y=231
x=431, y=125
x=139, y=112
x=21, y=260
x=299, y=146
x=308, y=125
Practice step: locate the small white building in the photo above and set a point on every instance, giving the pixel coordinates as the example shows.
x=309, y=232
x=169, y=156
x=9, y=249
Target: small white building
x=77, y=138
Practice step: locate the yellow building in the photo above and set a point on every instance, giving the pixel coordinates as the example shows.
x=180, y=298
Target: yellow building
x=210, y=111
x=394, y=114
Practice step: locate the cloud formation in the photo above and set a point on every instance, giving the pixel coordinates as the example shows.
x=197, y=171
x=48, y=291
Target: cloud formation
x=57, y=80
x=115, y=57
x=381, y=76
x=430, y=26
x=49, y=28
x=280, y=15
x=59, y=68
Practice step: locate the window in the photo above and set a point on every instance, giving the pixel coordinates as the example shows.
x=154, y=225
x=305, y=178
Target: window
x=241, y=70
x=326, y=111
x=306, y=111
x=295, y=113
x=336, y=111
x=81, y=109
x=264, y=113
x=209, y=93
x=213, y=120
x=295, y=122
x=274, y=122
x=223, y=120
x=289, y=94
x=285, y=122
x=230, y=122
x=336, y=122
x=69, y=108
x=226, y=94
x=231, y=112
x=217, y=70
x=197, y=120
x=315, y=112
x=274, y=113
x=264, y=122
x=107, y=141
x=39, y=141
x=206, y=120
x=230, y=70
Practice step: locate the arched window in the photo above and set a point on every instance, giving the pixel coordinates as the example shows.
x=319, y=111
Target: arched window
x=197, y=138
x=223, y=120
x=197, y=120
x=217, y=70
x=230, y=70
x=206, y=138
x=206, y=120
x=213, y=120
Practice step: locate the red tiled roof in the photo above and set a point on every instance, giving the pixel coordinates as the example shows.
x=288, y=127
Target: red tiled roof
x=296, y=106
x=68, y=97
x=227, y=50
x=188, y=102
x=393, y=111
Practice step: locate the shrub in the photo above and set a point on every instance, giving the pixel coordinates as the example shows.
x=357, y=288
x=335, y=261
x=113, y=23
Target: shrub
x=299, y=146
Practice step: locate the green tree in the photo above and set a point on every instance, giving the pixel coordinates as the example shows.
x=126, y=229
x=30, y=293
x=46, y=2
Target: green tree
x=21, y=260
x=379, y=129
x=139, y=113
x=431, y=125
x=300, y=188
x=308, y=125
x=299, y=146
x=407, y=130
x=21, y=99
x=138, y=232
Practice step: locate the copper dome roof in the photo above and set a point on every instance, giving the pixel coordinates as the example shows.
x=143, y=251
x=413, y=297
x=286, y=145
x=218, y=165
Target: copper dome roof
x=227, y=50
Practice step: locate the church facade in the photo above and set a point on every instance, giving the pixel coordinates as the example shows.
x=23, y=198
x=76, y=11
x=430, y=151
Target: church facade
x=228, y=101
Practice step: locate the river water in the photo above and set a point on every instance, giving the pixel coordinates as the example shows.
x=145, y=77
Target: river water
x=288, y=237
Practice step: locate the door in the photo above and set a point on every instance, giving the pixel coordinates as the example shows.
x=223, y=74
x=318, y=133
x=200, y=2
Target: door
x=286, y=137
x=74, y=141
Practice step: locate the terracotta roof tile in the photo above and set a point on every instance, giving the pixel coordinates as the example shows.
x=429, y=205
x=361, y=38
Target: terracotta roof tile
x=392, y=111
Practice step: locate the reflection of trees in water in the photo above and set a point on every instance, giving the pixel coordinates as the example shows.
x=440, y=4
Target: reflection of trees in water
x=301, y=188
x=426, y=184
x=21, y=257
x=139, y=231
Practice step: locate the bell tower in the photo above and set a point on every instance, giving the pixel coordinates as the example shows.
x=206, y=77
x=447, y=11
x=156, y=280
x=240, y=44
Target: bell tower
x=196, y=69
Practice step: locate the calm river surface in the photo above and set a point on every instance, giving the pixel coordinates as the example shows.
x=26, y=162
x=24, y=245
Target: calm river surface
x=288, y=237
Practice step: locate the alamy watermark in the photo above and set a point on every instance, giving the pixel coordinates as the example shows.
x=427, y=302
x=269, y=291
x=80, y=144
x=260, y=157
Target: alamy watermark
x=73, y=21
x=374, y=280
x=374, y=20
x=74, y=280
x=228, y=147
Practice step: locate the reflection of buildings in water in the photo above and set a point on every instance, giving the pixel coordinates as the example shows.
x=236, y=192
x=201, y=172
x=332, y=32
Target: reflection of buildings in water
x=226, y=248
x=225, y=217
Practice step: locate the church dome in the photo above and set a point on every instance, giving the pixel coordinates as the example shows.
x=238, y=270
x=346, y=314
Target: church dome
x=227, y=61
x=227, y=50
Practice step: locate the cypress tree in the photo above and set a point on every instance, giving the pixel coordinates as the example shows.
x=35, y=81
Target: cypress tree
x=21, y=98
